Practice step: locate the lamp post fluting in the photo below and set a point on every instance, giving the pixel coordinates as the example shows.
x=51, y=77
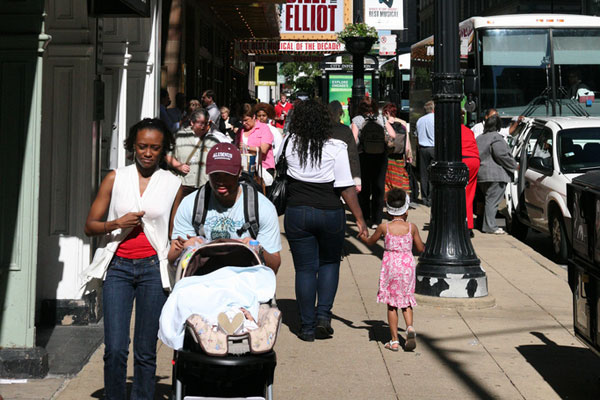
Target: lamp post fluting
x=449, y=266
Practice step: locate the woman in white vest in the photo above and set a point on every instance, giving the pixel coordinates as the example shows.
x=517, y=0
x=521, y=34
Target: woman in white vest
x=132, y=256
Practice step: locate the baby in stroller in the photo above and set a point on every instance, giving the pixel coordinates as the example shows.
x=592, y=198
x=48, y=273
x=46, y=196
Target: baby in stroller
x=222, y=322
x=226, y=293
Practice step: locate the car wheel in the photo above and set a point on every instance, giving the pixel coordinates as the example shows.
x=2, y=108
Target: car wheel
x=558, y=233
x=517, y=228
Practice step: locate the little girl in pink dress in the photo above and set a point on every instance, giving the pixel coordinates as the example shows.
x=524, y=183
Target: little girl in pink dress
x=397, y=278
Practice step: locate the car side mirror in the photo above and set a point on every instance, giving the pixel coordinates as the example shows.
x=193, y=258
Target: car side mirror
x=541, y=164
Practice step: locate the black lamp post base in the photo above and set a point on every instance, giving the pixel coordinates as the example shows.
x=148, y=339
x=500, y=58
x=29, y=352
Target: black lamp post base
x=454, y=282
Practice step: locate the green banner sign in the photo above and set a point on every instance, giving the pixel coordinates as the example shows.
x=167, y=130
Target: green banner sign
x=340, y=89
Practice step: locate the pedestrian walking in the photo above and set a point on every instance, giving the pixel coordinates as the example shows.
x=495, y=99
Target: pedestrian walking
x=344, y=133
x=132, y=256
x=228, y=124
x=282, y=111
x=397, y=278
x=372, y=132
x=315, y=221
x=208, y=102
x=399, y=152
x=256, y=138
x=265, y=114
x=192, y=145
x=495, y=171
x=426, y=152
x=470, y=156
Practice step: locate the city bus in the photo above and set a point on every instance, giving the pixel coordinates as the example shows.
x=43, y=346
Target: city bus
x=527, y=64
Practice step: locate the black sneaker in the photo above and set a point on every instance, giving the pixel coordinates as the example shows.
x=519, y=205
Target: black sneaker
x=324, y=329
x=307, y=336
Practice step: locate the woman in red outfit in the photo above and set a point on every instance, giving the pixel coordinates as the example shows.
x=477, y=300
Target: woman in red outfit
x=470, y=156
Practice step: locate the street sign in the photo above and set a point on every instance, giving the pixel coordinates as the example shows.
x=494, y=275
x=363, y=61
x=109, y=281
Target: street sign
x=385, y=14
x=387, y=45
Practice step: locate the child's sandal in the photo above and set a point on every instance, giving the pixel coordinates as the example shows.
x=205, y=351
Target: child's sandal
x=411, y=342
x=392, y=345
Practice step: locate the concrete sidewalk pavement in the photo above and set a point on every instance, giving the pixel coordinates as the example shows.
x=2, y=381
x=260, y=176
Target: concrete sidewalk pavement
x=521, y=348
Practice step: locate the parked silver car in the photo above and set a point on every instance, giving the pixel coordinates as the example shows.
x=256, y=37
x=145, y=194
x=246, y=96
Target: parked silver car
x=551, y=152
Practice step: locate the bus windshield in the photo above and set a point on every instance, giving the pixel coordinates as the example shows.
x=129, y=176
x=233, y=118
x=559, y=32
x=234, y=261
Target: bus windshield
x=577, y=67
x=514, y=68
x=516, y=74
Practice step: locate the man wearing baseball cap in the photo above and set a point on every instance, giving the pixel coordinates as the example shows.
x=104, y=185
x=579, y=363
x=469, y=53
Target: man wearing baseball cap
x=225, y=216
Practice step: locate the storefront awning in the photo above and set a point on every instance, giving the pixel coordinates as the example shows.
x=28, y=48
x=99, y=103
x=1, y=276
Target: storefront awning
x=247, y=18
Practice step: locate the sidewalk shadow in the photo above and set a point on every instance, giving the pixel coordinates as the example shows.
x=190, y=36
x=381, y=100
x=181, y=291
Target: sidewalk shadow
x=379, y=331
x=162, y=391
x=350, y=247
x=572, y=372
x=290, y=316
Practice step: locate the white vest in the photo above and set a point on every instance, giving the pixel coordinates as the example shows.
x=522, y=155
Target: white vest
x=157, y=202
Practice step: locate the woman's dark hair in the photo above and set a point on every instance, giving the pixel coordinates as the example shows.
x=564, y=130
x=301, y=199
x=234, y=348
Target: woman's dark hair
x=267, y=108
x=368, y=105
x=154, y=124
x=311, y=124
x=396, y=198
x=390, y=108
x=335, y=111
x=492, y=124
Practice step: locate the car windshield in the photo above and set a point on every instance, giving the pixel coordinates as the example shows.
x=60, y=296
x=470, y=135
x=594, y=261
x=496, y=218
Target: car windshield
x=579, y=149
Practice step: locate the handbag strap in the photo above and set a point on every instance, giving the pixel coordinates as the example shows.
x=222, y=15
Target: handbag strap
x=194, y=150
x=282, y=157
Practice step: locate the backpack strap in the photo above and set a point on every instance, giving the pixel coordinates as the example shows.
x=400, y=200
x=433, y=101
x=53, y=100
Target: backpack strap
x=250, y=211
x=201, y=209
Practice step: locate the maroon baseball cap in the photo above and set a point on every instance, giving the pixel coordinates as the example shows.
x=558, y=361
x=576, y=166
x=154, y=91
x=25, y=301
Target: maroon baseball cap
x=224, y=157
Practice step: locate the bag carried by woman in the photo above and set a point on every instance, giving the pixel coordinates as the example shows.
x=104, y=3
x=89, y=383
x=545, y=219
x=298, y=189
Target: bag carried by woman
x=278, y=194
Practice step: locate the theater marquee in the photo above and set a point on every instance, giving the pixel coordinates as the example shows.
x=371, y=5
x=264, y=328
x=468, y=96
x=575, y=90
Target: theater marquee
x=314, y=19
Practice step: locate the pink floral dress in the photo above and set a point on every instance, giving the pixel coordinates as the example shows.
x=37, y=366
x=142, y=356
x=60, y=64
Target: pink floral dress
x=397, y=279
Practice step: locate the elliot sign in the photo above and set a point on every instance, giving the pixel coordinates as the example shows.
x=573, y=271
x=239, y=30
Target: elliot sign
x=314, y=19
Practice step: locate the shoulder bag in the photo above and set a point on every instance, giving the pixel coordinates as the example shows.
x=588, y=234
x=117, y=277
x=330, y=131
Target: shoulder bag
x=278, y=194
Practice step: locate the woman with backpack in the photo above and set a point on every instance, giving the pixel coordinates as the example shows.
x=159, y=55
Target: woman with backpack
x=399, y=152
x=372, y=133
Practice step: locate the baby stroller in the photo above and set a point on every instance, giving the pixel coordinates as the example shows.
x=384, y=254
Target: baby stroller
x=213, y=364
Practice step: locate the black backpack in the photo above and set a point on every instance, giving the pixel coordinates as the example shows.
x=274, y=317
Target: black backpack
x=372, y=137
x=250, y=210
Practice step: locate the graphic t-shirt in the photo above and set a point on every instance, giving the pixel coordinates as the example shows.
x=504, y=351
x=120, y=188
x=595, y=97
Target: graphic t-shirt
x=223, y=223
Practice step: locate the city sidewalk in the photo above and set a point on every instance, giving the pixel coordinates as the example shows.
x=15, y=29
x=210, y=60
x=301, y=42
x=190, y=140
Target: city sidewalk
x=521, y=348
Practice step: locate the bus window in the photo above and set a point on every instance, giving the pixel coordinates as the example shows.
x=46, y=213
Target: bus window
x=514, y=68
x=577, y=66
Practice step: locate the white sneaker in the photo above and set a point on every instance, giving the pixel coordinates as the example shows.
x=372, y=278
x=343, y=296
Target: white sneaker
x=499, y=231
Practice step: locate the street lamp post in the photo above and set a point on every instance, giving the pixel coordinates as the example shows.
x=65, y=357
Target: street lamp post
x=449, y=266
x=358, y=59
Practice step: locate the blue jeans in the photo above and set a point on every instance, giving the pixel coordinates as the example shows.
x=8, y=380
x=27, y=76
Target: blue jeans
x=127, y=279
x=316, y=238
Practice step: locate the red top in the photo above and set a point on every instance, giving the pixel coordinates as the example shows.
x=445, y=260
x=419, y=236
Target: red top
x=279, y=109
x=136, y=245
x=469, y=144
